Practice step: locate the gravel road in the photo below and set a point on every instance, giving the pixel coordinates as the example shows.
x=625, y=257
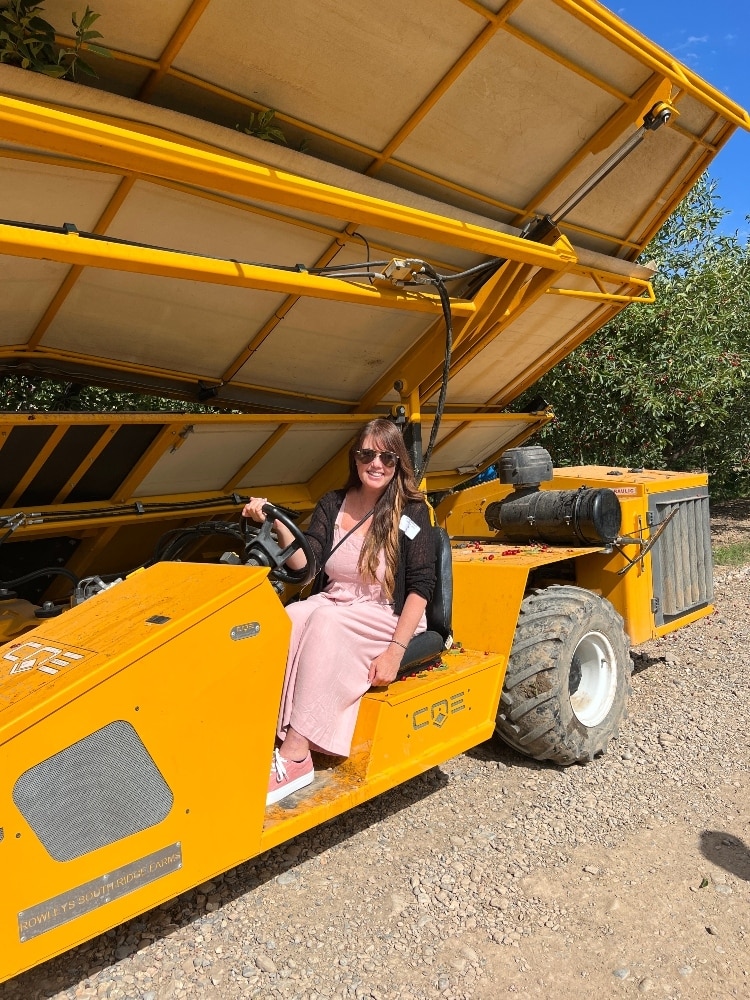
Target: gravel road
x=492, y=874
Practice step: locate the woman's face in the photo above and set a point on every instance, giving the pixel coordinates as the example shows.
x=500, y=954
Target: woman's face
x=375, y=474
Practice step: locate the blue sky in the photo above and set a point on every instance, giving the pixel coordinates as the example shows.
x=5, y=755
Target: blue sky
x=713, y=39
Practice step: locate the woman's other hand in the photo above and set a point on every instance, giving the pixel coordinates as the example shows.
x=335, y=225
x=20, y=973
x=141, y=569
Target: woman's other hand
x=384, y=668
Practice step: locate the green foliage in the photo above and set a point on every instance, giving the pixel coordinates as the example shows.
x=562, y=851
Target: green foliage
x=261, y=125
x=664, y=386
x=22, y=392
x=28, y=41
x=736, y=554
x=84, y=36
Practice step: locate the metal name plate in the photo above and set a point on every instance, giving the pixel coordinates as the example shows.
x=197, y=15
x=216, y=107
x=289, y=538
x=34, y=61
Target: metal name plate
x=98, y=892
x=247, y=631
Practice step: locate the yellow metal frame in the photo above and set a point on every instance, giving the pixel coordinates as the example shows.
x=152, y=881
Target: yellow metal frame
x=667, y=74
x=531, y=269
x=501, y=300
x=84, y=252
x=171, y=435
x=668, y=80
x=592, y=14
x=645, y=294
x=138, y=152
x=182, y=167
x=629, y=40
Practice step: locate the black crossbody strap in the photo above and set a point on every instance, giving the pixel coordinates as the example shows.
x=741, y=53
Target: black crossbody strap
x=350, y=532
x=339, y=542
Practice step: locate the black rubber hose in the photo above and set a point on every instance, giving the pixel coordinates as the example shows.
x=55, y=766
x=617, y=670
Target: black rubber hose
x=48, y=571
x=446, y=303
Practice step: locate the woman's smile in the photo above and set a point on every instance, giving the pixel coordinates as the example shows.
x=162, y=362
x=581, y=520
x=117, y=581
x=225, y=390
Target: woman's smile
x=374, y=474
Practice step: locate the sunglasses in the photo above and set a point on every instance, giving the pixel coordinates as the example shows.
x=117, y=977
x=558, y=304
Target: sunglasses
x=367, y=455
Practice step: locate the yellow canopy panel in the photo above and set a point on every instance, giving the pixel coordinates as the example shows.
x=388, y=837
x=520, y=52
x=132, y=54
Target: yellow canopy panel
x=97, y=492
x=51, y=459
x=432, y=132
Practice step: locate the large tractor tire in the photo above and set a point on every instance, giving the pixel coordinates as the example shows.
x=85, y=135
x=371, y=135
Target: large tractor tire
x=568, y=678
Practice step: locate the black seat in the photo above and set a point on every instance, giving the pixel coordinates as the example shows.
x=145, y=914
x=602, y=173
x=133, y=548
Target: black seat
x=425, y=648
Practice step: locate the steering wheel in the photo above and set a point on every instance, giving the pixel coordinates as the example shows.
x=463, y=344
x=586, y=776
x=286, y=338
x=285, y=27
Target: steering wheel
x=264, y=550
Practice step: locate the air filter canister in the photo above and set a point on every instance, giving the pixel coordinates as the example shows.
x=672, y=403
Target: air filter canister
x=558, y=517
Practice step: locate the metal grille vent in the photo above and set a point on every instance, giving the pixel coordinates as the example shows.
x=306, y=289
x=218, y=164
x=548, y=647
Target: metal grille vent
x=93, y=793
x=682, y=562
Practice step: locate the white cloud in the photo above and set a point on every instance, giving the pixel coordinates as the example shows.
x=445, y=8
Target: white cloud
x=690, y=41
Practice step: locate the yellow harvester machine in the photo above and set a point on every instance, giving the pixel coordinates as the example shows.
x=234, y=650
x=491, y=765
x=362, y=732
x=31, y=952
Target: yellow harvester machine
x=464, y=192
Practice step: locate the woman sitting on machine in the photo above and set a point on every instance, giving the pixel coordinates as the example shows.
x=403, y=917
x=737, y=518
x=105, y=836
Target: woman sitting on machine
x=375, y=559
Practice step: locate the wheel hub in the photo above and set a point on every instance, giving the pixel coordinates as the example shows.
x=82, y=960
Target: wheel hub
x=593, y=679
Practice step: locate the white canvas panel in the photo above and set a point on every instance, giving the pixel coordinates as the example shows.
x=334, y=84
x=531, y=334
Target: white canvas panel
x=185, y=326
x=26, y=289
x=521, y=101
x=156, y=22
x=537, y=331
x=47, y=195
x=474, y=444
x=161, y=216
x=324, y=63
x=333, y=349
x=207, y=459
x=301, y=452
x=572, y=39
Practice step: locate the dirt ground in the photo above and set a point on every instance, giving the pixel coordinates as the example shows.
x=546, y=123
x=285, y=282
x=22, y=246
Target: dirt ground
x=730, y=522
x=666, y=911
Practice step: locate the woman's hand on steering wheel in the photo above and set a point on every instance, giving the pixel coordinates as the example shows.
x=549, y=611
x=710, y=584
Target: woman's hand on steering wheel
x=264, y=550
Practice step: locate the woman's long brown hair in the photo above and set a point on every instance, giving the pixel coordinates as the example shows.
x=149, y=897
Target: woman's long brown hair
x=382, y=535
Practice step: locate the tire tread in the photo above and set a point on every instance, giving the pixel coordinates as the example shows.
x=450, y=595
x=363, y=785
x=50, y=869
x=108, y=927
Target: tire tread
x=536, y=681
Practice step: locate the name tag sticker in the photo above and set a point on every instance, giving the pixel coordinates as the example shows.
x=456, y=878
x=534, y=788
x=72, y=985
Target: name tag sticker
x=409, y=528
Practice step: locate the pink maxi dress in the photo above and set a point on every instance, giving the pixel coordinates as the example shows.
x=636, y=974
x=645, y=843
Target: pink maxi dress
x=335, y=637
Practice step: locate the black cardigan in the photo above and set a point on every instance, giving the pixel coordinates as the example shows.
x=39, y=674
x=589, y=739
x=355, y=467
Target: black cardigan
x=415, y=572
